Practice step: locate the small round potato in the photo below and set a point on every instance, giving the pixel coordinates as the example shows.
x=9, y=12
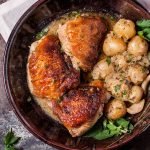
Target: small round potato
x=137, y=74
x=115, y=109
x=102, y=69
x=136, y=94
x=113, y=45
x=137, y=46
x=125, y=28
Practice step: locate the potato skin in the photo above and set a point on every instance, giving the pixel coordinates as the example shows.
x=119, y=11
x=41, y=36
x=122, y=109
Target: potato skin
x=125, y=28
x=115, y=109
x=137, y=46
x=102, y=69
x=136, y=74
x=136, y=94
x=113, y=45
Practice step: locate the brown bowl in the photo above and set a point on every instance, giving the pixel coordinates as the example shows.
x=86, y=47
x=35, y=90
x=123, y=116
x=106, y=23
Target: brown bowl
x=17, y=50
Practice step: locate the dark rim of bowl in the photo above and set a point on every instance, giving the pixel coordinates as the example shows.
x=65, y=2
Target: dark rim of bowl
x=10, y=94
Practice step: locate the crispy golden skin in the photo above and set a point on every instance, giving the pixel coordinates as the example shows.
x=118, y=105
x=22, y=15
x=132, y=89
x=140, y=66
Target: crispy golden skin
x=81, y=38
x=80, y=108
x=50, y=71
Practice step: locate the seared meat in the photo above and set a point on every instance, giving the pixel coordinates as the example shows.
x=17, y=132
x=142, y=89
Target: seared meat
x=50, y=73
x=80, y=39
x=80, y=108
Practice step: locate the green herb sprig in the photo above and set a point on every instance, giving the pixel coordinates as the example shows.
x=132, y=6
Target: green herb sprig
x=110, y=128
x=144, y=29
x=10, y=140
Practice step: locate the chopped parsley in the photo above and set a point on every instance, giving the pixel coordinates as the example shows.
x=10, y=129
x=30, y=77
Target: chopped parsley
x=108, y=60
x=74, y=14
x=124, y=93
x=121, y=81
x=112, y=18
x=42, y=33
x=129, y=58
x=117, y=88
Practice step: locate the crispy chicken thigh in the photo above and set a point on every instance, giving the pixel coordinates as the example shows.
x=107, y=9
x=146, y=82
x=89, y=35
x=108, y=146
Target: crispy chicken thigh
x=80, y=39
x=50, y=73
x=80, y=108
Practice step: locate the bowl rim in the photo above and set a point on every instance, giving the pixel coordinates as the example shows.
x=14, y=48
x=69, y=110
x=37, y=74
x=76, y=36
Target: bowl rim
x=10, y=95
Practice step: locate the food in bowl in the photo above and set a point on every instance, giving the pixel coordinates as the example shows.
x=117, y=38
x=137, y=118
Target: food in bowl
x=88, y=65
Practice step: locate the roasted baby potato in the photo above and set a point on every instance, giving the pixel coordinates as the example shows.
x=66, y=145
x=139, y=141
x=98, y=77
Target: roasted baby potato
x=137, y=74
x=113, y=45
x=115, y=109
x=125, y=28
x=136, y=94
x=137, y=46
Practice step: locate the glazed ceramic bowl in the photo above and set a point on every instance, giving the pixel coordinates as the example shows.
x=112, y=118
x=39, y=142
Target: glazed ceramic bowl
x=17, y=50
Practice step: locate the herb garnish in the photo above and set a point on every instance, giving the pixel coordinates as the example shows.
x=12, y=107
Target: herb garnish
x=42, y=33
x=129, y=58
x=74, y=14
x=121, y=81
x=144, y=29
x=110, y=128
x=108, y=60
x=124, y=93
x=117, y=88
x=10, y=140
x=112, y=18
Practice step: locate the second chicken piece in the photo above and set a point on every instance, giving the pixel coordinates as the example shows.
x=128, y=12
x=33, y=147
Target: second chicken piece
x=80, y=108
x=81, y=38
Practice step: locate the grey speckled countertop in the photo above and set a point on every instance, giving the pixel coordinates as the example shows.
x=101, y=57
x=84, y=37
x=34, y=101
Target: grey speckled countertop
x=28, y=141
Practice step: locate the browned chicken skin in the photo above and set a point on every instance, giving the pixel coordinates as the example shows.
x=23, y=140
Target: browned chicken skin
x=80, y=108
x=51, y=72
x=80, y=39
